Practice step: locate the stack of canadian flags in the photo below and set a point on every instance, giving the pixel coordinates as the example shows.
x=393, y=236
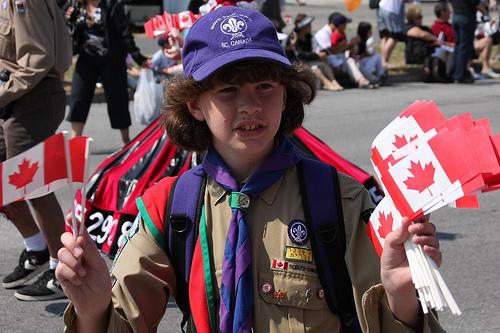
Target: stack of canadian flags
x=162, y=24
x=426, y=161
x=44, y=168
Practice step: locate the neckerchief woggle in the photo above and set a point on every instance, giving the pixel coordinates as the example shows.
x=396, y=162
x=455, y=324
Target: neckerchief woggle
x=236, y=291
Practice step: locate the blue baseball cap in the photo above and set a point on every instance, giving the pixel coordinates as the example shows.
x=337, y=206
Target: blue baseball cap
x=227, y=35
x=338, y=19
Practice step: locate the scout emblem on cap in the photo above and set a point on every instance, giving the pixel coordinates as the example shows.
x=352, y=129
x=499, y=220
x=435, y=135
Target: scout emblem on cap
x=234, y=25
x=297, y=232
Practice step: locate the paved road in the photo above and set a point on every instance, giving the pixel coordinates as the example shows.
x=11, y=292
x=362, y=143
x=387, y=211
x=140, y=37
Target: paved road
x=348, y=122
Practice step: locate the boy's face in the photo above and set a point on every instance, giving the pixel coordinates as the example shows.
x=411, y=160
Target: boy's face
x=341, y=27
x=243, y=119
x=445, y=14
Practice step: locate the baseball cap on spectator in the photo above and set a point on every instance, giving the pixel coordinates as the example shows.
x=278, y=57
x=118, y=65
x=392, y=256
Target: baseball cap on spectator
x=338, y=19
x=227, y=35
x=303, y=20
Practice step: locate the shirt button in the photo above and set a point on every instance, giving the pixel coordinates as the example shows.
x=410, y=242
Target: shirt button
x=266, y=288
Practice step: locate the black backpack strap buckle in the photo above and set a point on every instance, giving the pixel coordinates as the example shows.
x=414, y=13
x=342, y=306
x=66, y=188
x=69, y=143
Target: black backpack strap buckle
x=179, y=222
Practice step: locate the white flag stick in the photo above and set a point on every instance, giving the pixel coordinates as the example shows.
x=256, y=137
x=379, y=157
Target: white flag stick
x=84, y=185
x=433, y=288
x=444, y=288
x=70, y=184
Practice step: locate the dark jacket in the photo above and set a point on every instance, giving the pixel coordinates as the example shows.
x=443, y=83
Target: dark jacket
x=303, y=50
x=416, y=49
x=119, y=37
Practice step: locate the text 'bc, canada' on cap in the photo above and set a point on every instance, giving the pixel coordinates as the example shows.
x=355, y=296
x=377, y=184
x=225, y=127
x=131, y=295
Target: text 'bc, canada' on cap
x=227, y=35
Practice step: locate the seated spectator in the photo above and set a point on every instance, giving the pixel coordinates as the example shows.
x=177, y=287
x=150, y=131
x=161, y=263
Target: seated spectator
x=335, y=46
x=420, y=41
x=369, y=61
x=484, y=41
x=299, y=48
x=166, y=60
x=423, y=47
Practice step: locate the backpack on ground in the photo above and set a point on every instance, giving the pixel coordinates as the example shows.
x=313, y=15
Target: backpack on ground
x=322, y=218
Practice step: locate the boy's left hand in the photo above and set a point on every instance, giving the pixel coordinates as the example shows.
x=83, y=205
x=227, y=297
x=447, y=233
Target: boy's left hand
x=395, y=271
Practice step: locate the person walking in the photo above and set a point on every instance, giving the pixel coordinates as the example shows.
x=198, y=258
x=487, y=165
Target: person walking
x=35, y=51
x=102, y=38
x=464, y=24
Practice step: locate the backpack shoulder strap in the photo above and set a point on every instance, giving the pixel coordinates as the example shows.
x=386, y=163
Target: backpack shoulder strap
x=183, y=214
x=320, y=188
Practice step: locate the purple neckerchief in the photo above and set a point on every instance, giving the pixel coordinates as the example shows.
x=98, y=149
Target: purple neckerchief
x=236, y=301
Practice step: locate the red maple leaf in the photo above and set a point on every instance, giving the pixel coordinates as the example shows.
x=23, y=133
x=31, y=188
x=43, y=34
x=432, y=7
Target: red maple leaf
x=25, y=174
x=184, y=18
x=385, y=224
x=423, y=177
x=401, y=141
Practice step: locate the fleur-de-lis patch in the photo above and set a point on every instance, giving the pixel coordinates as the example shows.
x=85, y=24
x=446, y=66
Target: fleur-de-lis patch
x=297, y=232
x=234, y=25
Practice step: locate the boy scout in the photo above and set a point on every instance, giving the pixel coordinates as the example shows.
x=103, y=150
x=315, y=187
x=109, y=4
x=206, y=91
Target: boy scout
x=251, y=268
x=34, y=53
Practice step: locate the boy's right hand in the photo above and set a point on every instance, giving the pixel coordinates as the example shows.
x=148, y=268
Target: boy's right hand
x=84, y=276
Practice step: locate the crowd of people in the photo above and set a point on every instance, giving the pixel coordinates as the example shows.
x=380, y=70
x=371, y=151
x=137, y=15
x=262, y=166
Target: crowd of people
x=340, y=62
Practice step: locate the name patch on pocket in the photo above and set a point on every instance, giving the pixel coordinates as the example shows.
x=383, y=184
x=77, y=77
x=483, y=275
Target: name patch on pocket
x=299, y=254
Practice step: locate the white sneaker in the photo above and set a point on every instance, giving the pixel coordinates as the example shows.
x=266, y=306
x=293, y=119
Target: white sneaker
x=491, y=74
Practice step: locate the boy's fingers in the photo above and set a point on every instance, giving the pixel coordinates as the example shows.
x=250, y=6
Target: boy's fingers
x=92, y=255
x=426, y=228
x=66, y=257
x=399, y=235
x=426, y=240
x=66, y=275
x=434, y=253
x=73, y=245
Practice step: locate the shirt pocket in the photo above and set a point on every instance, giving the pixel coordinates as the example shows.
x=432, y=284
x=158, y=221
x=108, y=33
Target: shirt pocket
x=293, y=302
x=293, y=290
x=6, y=44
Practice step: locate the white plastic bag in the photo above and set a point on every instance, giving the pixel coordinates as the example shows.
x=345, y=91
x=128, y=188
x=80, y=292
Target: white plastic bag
x=147, y=98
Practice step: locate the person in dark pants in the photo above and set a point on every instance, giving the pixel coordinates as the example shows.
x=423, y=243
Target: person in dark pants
x=464, y=24
x=35, y=51
x=102, y=39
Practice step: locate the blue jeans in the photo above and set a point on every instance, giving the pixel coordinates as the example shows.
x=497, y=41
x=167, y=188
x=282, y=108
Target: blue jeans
x=464, y=27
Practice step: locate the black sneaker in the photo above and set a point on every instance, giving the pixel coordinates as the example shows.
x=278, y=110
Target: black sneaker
x=45, y=288
x=31, y=265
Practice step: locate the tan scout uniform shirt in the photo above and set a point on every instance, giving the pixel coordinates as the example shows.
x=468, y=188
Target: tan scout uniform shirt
x=34, y=43
x=145, y=279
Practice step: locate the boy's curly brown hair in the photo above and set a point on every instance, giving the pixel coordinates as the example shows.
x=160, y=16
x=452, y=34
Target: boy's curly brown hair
x=191, y=134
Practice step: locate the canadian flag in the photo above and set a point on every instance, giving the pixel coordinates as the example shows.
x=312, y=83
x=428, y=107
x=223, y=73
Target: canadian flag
x=171, y=20
x=186, y=19
x=42, y=169
x=384, y=219
x=433, y=168
x=279, y=264
x=413, y=123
